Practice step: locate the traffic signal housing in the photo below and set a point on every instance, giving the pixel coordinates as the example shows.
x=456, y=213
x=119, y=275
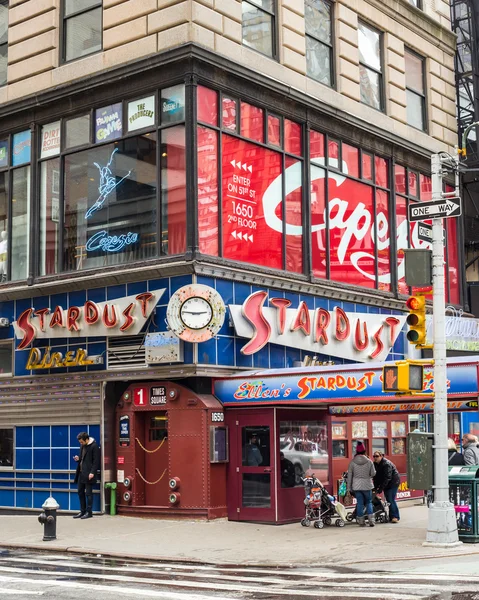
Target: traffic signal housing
x=403, y=377
x=416, y=320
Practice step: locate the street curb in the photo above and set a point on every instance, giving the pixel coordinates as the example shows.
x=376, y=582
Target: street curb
x=184, y=560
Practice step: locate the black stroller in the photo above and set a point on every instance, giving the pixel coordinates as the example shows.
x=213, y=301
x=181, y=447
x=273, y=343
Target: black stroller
x=320, y=509
x=381, y=511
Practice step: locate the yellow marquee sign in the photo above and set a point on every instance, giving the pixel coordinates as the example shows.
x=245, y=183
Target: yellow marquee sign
x=55, y=360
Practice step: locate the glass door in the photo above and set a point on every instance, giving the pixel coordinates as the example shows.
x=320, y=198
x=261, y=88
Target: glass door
x=255, y=468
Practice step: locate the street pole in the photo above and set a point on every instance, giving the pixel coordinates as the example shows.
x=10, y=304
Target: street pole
x=442, y=525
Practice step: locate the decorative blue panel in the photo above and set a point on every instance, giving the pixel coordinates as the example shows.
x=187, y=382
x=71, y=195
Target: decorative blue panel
x=23, y=499
x=7, y=498
x=23, y=459
x=41, y=437
x=116, y=291
x=60, y=459
x=60, y=436
x=24, y=437
x=41, y=459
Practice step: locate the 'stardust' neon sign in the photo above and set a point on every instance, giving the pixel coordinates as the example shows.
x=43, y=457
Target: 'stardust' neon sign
x=107, y=184
x=110, y=243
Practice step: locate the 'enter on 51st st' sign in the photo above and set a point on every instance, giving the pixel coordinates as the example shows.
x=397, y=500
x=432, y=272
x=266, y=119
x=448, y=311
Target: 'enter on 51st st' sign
x=438, y=209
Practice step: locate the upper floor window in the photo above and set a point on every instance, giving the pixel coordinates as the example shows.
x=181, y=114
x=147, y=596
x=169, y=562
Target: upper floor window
x=3, y=41
x=82, y=26
x=415, y=92
x=319, y=45
x=370, y=66
x=416, y=3
x=259, y=26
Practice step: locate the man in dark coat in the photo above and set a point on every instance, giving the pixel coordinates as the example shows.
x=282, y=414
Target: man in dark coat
x=87, y=468
x=387, y=480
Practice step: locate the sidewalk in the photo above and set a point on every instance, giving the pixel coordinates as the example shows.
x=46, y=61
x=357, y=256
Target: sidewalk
x=225, y=542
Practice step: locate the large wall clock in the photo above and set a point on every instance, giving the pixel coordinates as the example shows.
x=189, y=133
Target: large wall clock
x=196, y=313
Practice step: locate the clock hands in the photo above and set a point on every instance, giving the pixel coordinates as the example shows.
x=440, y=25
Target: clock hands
x=191, y=312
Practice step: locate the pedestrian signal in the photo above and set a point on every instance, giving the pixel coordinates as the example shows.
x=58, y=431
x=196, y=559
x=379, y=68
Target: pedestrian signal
x=403, y=377
x=416, y=320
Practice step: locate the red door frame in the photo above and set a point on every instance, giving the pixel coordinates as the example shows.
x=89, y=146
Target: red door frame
x=236, y=420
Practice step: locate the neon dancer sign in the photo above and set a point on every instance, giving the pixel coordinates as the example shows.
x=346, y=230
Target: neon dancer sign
x=107, y=184
x=111, y=243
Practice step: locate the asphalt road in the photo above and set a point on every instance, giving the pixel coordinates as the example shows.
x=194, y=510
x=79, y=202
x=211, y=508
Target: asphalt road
x=26, y=575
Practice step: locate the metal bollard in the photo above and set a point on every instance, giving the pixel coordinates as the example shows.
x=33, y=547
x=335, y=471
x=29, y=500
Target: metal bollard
x=48, y=518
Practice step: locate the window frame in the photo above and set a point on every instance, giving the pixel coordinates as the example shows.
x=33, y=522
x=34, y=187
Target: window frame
x=274, y=35
x=382, y=104
x=423, y=96
x=331, y=46
x=7, y=468
x=63, y=30
x=6, y=4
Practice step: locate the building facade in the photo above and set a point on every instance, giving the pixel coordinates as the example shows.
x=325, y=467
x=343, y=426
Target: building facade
x=254, y=159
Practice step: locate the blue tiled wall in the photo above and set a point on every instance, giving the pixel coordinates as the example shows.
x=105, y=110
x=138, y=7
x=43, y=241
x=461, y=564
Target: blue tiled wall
x=44, y=465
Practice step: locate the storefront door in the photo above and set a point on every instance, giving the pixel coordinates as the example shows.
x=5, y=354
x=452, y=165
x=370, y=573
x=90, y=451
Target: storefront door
x=156, y=458
x=252, y=469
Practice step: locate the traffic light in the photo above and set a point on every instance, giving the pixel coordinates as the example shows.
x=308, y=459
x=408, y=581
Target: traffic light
x=416, y=320
x=403, y=377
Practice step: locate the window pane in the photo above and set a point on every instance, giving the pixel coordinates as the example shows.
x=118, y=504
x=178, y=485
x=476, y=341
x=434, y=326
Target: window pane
x=360, y=429
x=6, y=368
x=292, y=137
x=4, y=23
x=412, y=183
x=252, y=122
x=255, y=446
x=257, y=29
x=398, y=446
x=398, y=428
x=369, y=52
x=383, y=240
x=274, y=131
x=173, y=104
x=425, y=186
x=229, y=114
x=294, y=214
x=49, y=216
x=400, y=179
x=351, y=158
x=108, y=123
x=367, y=166
x=339, y=430
x=4, y=151
x=381, y=171
x=340, y=449
x=22, y=145
x=73, y=6
x=207, y=105
x=50, y=145
x=415, y=110
x=3, y=226
x=414, y=72
x=208, y=191
x=380, y=429
x=370, y=87
x=317, y=15
x=20, y=223
x=83, y=34
x=3, y=63
x=379, y=446
x=6, y=447
x=318, y=61
x=173, y=190
x=77, y=131
x=318, y=217
x=110, y=204
x=141, y=113
x=305, y=444
x=266, y=4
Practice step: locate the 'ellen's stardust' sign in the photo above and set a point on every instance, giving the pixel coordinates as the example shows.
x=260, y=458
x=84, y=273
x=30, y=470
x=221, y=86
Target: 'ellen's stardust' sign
x=93, y=319
x=355, y=336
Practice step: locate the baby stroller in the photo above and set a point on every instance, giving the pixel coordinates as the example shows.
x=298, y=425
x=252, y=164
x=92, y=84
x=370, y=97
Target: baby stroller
x=381, y=511
x=321, y=508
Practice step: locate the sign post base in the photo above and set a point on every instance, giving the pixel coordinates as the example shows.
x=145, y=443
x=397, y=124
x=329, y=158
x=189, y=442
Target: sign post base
x=442, y=526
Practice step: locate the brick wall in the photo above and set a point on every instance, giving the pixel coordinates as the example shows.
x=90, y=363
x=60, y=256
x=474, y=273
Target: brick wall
x=133, y=29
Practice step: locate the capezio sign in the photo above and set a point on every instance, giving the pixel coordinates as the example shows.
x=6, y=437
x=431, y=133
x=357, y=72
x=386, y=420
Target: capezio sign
x=93, y=319
x=356, y=336
x=328, y=385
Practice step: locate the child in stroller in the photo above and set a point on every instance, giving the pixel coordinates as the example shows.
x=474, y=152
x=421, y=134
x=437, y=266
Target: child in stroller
x=321, y=508
x=381, y=510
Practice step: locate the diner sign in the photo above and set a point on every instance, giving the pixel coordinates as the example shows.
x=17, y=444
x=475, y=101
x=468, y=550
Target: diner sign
x=461, y=333
x=361, y=337
x=93, y=319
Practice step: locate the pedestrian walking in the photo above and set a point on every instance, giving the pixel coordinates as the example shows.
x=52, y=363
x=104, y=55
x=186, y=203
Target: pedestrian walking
x=85, y=476
x=470, y=449
x=387, y=480
x=454, y=457
x=360, y=483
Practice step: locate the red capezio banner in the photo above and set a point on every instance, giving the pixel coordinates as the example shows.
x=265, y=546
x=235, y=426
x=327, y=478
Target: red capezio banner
x=253, y=221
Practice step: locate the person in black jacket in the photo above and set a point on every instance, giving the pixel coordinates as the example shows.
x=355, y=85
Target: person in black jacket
x=387, y=480
x=454, y=457
x=87, y=468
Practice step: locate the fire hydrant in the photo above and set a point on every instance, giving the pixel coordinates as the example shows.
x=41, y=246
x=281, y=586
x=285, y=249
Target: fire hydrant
x=48, y=518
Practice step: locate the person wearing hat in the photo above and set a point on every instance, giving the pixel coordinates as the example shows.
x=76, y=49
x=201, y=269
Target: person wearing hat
x=360, y=483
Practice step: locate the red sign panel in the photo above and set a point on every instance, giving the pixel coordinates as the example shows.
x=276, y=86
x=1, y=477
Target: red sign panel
x=140, y=396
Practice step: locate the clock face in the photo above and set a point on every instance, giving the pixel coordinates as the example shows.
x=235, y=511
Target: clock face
x=196, y=313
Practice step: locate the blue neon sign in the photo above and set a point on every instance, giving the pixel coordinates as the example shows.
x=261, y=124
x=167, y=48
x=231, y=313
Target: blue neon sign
x=107, y=184
x=111, y=243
